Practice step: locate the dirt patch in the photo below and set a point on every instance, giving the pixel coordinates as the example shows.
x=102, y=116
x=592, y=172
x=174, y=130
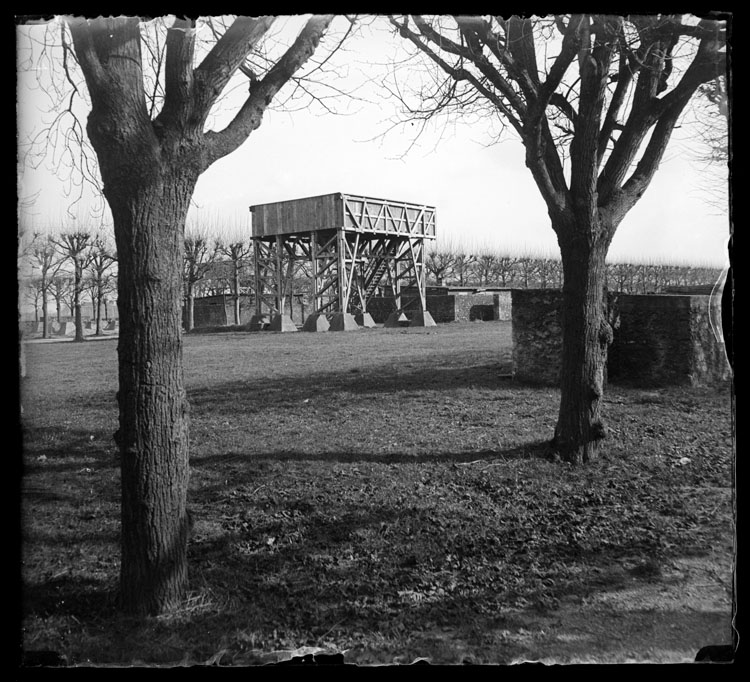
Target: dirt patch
x=665, y=620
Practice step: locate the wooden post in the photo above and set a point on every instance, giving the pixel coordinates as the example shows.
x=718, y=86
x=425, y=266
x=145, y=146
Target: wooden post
x=279, y=277
x=314, y=268
x=258, y=285
x=341, y=274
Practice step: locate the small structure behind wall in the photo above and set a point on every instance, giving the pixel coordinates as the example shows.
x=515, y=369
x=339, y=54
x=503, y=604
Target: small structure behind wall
x=348, y=246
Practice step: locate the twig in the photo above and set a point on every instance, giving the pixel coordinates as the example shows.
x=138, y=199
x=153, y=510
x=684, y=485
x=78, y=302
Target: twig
x=494, y=464
x=320, y=639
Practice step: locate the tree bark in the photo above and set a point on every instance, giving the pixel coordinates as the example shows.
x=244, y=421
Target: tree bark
x=190, y=308
x=77, y=303
x=149, y=170
x=149, y=175
x=586, y=335
x=98, y=331
x=153, y=433
x=45, y=318
x=237, y=316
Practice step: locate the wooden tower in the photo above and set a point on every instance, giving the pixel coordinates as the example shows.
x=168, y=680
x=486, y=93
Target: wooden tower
x=349, y=246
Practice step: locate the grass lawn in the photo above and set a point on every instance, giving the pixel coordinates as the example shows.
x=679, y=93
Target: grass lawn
x=381, y=493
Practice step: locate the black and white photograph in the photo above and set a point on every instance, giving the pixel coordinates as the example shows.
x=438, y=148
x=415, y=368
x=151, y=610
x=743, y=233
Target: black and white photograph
x=375, y=340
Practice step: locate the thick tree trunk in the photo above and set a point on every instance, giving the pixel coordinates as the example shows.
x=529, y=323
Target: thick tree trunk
x=45, y=320
x=149, y=169
x=153, y=434
x=78, y=320
x=98, y=314
x=586, y=336
x=190, y=312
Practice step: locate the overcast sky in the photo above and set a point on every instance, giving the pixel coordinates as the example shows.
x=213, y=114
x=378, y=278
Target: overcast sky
x=483, y=193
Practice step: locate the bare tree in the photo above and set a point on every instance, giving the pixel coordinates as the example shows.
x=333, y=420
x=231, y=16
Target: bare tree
x=199, y=255
x=618, y=277
x=486, y=260
x=594, y=99
x=45, y=263
x=233, y=243
x=462, y=266
x=505, y=272
x=60, y=285
x=150, y=125
x=31, y=291
x=75, y=246
x=102, y=260
x=439, y=264
x=546, y=269
x=238, y=254
x=526, y=266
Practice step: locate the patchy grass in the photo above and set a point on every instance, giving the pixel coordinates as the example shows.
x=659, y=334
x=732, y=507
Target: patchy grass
x=378, y=492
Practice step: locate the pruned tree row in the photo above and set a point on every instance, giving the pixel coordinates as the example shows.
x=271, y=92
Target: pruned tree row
x=485, y=268
x=71, y=267
x=66, y=267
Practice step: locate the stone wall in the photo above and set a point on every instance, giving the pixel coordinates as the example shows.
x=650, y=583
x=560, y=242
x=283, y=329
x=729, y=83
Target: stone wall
x=218, y=311
x=661, y=340
x=666, y=340
x=537, y=335
x=446, y=307
x=471, y=307
x=710, y=363
x=503, y=305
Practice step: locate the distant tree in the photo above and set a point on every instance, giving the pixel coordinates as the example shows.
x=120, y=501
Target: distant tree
x=60, y=286
x=69, y=299
x=594, y=99
x=31, y=291
x=486, y=260
x=546, y=270
x=439, y=263
x=101, y=264
x=618, y=277
x=505, y=270
x=526, y=268
x=462, y=266
x=75, y=246
x=199, y=255
x=45, y=262
x=238, y=254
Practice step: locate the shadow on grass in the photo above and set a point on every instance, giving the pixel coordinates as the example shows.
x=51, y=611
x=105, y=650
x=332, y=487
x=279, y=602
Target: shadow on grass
x=83, y=598
x=388, y=380
x=323, y=587
x=527, y=451
x=85, y=539
x=50, y=448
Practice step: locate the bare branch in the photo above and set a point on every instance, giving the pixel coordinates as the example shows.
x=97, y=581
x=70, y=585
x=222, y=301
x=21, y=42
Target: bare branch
x=248, y=118
x=224, y=59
